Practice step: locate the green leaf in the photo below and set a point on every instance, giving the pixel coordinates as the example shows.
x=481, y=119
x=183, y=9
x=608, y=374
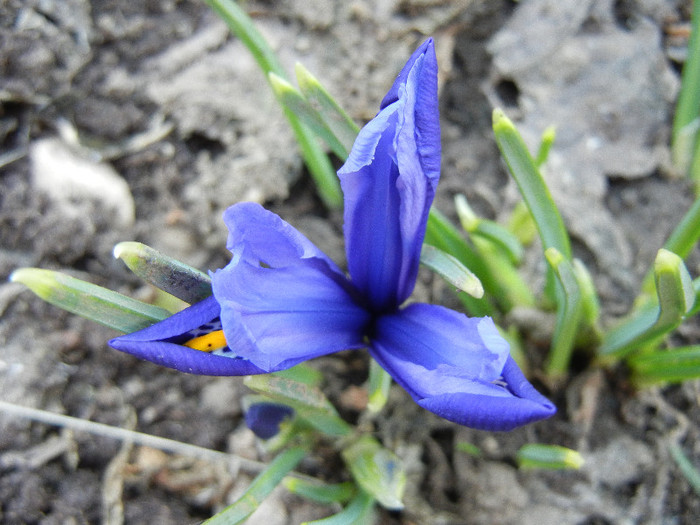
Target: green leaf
x=500, y=251
x=163, y=272
x=468, y=448
x=689, y=471
x=295, y=102
x=319, y=165
x=377, y=470
x=489, y=230
x=90, y=301
x=302, y=373
x=696, y=308
x=358, y=512
x=379, y=386
x=650, y=323
x=685, y=128
x=531, y=184
x=443, y=235
x=453, y=271
x=569, y=313
x=332, y=114
x=666, y=366
x=681, y=241
x=534, y=192
x=259, y=489
x=589, y=295
x=319, y=491
x=674, y=287
x=550, y=457
x=522, y=225
x=545, y=146
x=309, y=402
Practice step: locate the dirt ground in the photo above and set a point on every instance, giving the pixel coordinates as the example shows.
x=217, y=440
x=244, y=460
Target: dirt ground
x=144, y=120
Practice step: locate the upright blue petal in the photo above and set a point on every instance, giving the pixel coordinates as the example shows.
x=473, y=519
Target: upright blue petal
x=456, y=367
x=282, y=300
x=389, y=183
x=162, y=343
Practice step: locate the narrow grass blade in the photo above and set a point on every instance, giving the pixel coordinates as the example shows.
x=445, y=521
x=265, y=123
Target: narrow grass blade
x=295, y=102
x=319, y=491
x=358, y=512
x=90, y=301
x=685, y=127
x=545, y=146
x=377, y=470
x=681, y=241
x=468, y=448
x=676, y=296
x=379, y=386
x=522, y=225
x=330, y=111
x=569, y=313
x=163, y=272
x=319, y=165
x=259, y=489
x=666, y=366
x=513, y=290
x=532, y=186
x=550, y=457
x=696, y=308
x=590, y=334
x=309, y=402
x=501, y=252
x=535, y=194
x=443, y=235
x=450, y=269
x=689, y=471
x=489, y=230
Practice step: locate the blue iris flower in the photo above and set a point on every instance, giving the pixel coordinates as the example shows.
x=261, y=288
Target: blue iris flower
x=264, y=418
x=281, y=301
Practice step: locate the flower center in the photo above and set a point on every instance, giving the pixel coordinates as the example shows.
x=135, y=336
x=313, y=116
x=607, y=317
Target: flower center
x=208, y=342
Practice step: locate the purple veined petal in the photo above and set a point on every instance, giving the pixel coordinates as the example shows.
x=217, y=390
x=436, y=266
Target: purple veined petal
x=457, y=367
x=281, y=301
x=161, y=343
x=389, y=183
x=264, y=418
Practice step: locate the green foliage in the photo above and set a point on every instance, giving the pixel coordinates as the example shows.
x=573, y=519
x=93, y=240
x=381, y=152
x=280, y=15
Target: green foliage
x=316, y=159
x=377, y=470
x=259, y=489
x=685, y=141
x=453, y=271
x=358, y=511
x=550, y=457
x=90, y=301
x=164, y=272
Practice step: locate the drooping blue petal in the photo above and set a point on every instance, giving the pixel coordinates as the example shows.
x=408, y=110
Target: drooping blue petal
x=264, y=418
x=282, y=300
x=162, y=343
x=389, y=183
x=456, y=367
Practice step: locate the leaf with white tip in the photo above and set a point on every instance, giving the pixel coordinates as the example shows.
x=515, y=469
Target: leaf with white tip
x=90, y=301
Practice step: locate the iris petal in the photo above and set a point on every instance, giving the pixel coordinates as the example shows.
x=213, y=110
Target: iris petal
x=389, y=183
x=160, y=344
x=456, y=367
x=282, y=301
x=264, y=418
